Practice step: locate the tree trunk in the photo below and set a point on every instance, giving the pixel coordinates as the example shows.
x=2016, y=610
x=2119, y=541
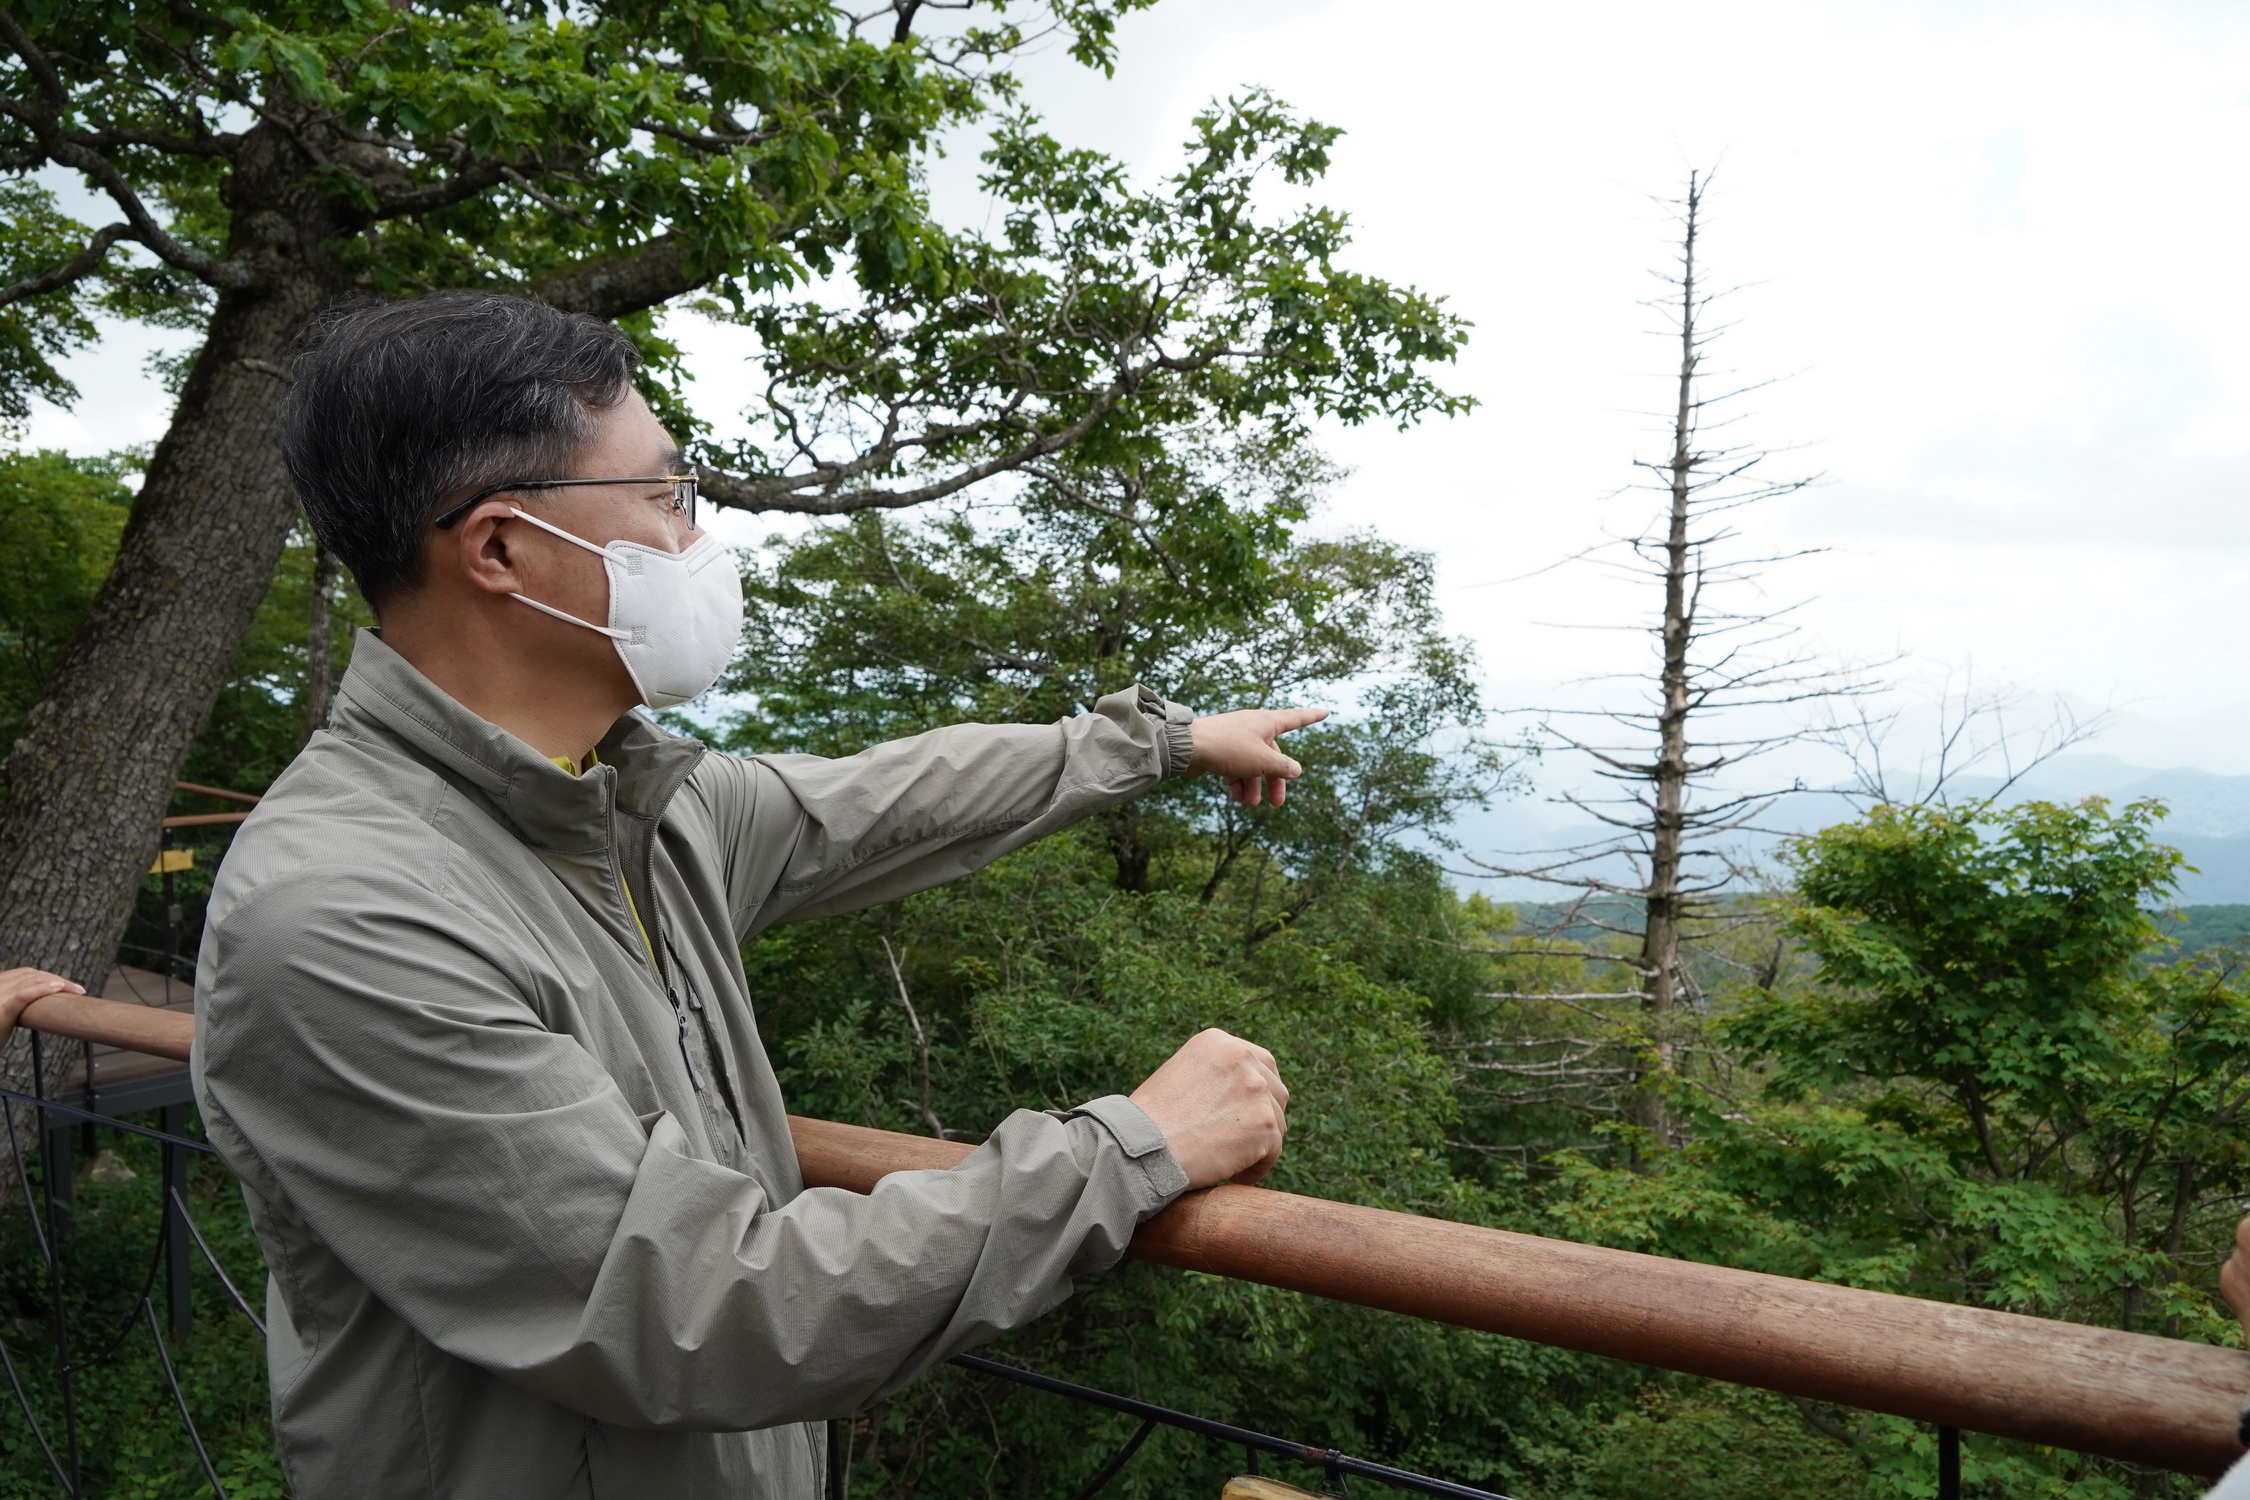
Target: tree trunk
x=89, y=780
x=320, y=639
x=1128, y=844
x=1662, y=901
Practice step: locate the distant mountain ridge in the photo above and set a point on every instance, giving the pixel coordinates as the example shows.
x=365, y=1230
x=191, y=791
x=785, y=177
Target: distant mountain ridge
x=2200, y=804
x=2207, y=819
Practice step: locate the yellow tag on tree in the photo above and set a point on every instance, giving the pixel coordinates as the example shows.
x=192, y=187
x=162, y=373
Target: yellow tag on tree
x=172, y=861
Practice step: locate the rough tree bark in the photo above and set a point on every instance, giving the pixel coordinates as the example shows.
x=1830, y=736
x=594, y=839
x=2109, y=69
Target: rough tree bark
x=90, y=777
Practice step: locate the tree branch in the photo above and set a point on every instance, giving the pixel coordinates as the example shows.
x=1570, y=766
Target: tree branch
x=612, y=286
x=46, y=126
x=77, y=268
x=783, y=492
x=396, y=202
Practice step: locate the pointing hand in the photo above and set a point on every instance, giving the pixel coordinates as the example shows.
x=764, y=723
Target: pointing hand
x=1243, y=747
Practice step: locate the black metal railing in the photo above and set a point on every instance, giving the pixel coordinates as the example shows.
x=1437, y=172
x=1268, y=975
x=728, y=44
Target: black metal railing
x=1335, y=1467
x=48, y=1207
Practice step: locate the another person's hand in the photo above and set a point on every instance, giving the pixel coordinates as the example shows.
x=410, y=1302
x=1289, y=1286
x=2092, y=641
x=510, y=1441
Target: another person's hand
x=2234, y=1276
x=1241, y=746
x=1222, y=1107
x=19, y=987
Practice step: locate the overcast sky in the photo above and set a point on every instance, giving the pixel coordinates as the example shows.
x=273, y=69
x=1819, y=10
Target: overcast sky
x=1997, y=250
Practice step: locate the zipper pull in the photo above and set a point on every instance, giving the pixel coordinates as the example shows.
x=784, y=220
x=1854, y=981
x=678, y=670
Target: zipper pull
x=687, y=1054
x=694, y=1000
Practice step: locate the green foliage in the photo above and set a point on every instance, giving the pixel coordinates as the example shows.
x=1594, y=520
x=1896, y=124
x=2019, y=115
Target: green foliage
x=2196, y=928
x=1102, y=317
x=40, y=236
x=1990, y=1090
x=60, y=518
x=1038, y=985
x=1183, y=569
x=1998, y=964
x=131, y=1441
x=1190, y=573
x=1688, y=1440
x=626, y=157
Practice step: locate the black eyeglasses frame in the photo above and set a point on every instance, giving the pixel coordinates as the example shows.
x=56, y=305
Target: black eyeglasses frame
x=684, y=487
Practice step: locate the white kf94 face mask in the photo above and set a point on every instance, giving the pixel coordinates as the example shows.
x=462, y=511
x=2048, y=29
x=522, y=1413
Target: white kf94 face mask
x=673, y=616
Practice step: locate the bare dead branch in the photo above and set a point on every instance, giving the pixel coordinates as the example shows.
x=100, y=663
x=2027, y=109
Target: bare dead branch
x=921, y=1041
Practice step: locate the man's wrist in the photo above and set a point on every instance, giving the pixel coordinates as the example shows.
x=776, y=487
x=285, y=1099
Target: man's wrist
x=1175, y=732
x=1142, y=1142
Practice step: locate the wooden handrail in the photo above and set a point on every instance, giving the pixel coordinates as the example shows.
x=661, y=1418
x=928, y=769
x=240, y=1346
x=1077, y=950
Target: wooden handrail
x=2129, y=1396
x=2148, y=1400
x=210, y=820
x=110, y=1023
x=216, y=791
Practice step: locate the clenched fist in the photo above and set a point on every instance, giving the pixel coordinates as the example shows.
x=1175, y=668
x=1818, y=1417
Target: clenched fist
x=1222, y=1107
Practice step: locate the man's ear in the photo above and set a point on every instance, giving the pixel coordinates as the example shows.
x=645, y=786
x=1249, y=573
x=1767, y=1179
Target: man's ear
x=476, y=550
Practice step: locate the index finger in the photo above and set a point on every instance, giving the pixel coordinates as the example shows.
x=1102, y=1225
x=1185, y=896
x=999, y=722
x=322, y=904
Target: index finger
x=1296, y=718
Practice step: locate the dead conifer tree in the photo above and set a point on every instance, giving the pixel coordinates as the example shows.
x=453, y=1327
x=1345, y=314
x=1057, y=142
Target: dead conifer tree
x=1720, y=690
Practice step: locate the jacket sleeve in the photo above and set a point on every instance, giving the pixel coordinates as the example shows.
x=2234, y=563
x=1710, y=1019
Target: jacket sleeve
x=374, y=1075
x=803, y=836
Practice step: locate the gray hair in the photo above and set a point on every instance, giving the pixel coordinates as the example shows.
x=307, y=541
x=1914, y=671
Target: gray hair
x=397, y=406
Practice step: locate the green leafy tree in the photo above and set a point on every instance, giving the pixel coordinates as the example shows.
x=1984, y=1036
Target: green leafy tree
x=1993, y=1089
x=1188, y=570
x=620, y=159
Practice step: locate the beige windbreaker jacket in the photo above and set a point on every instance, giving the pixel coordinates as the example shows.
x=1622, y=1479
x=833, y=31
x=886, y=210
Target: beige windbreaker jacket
x=523, y=1179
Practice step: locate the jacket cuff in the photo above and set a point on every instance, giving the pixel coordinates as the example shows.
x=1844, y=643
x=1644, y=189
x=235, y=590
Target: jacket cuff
x=1143, y=1144
x=1172, y=731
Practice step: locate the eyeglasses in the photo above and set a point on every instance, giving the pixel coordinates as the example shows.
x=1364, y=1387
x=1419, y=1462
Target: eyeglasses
x=682, y=502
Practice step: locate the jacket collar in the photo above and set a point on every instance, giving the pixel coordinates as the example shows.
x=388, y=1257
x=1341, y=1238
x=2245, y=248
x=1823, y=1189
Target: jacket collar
x=642, y=765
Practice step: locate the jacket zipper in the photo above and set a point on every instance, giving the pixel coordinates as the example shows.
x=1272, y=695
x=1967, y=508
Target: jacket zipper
x=649, y=945
x=710, y=1043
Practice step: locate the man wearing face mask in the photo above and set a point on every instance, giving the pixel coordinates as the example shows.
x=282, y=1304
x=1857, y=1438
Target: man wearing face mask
x=474, y=1029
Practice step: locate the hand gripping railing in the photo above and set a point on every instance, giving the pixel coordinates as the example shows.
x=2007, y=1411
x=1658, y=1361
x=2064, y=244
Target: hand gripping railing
x=2149, y=1400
